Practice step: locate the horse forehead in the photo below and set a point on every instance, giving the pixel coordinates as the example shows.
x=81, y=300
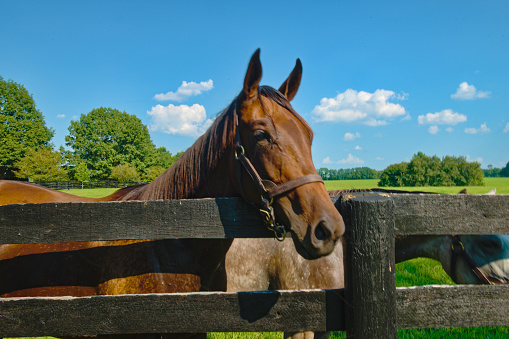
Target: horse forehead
x=282, y=117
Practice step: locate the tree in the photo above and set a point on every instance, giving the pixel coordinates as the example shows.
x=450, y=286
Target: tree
x=431, y=171
x=105, y=138
x=152, y=173
x=393, y=175
x=41, y=164
x=81, y=172
x=22, y=126
x=505, y=171
x=125, y=172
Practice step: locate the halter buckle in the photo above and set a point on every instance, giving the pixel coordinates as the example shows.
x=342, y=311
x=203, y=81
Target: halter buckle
x=239, y=149
x=454, y=245
x=270, y=223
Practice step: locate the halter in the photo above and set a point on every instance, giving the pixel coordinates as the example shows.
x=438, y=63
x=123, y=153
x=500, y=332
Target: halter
x=457, y=249
x=266, y=188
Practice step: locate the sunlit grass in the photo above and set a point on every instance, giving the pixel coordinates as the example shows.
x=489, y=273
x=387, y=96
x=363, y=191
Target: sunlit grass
x=91, y=192
x=501, y=184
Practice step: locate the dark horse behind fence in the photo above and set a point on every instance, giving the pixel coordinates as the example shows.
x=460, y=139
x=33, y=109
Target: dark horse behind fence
x=258, y=148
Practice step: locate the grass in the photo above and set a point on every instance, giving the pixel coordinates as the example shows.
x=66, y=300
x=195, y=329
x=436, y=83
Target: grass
x=416, y=272
x=91, y=192
x=501, y=184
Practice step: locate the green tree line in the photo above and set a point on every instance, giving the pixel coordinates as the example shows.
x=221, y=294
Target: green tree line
x=423, y=170
x=102, y=144
x=349, y=173
x=496, y=172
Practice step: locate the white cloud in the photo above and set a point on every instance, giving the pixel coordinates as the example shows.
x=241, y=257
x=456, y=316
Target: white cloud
x=469, y=92
x=379, y=158
x=327, y=161
x=433, y=129
x=445, y=117
x=373, y=109
x=351, y=160
x=506, y=129
x=350, y=136
x=449, y=129
x=406, y=118
x=61, y=116
x=186, y=90
x=357, y=148
x=478, y=159
x=481, y=130
x=182, y=119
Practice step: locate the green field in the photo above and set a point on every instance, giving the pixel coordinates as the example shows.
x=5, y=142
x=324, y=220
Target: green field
x=415, y=272
x=501, y=184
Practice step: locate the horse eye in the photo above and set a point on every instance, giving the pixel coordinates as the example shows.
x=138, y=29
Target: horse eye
x=261, y=135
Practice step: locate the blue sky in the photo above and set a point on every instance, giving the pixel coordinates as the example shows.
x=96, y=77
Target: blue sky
x=381, y=81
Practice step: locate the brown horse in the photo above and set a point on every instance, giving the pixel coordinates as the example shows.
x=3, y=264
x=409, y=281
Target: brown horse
x=258, y=136
x=265, y=264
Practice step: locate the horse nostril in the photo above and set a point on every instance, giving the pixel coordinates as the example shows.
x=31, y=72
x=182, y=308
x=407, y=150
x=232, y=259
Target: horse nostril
x=322, y=232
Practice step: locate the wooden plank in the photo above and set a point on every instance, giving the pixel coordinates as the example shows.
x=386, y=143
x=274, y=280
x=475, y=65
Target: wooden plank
x=452, y=306
x=61, y=222
x=451, y=214
x=370, y=282
x=316, y=310
x=230, y=217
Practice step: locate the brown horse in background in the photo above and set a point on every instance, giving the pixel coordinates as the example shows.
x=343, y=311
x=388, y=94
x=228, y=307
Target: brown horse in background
x=265, y=264
x=258, y=136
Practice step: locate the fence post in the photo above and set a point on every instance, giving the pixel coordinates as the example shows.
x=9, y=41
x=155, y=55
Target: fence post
x=370, y=281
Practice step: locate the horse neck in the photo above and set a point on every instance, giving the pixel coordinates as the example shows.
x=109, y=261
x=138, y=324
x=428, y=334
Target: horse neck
x=415, y=246
x=204, y=170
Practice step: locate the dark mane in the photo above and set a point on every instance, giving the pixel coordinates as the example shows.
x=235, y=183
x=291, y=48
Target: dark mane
x=188, y=174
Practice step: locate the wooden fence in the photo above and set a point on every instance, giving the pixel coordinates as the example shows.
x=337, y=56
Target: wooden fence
x=66, y=185
x=369, y=307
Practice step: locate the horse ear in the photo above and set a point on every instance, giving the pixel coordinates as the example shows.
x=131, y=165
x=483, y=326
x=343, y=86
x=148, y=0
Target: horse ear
x=291, y=85
x=253, y=75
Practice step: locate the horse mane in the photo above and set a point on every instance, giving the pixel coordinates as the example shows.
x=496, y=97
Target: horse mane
x=188, y=174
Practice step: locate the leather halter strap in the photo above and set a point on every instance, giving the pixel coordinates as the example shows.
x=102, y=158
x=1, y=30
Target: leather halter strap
x=267, y=189
x=458, y=249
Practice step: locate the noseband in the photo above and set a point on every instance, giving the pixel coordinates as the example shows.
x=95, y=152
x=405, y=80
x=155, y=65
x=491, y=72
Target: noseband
x=458, y=249
x=266, y=188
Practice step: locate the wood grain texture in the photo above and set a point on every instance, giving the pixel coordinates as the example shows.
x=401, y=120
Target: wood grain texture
x=317, y=310
x=451, y=214
x=162, y=219
x=370, y=282
x=452, y=306
x=230, y=218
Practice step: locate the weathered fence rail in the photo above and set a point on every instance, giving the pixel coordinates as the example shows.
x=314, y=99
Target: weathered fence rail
x=371, y=307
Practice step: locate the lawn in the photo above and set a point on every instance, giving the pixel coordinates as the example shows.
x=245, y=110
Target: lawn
x=415, y=272
x=501, y=184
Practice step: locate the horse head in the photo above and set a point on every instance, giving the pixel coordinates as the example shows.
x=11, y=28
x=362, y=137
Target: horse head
x=475, y=259
x=275, y=169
